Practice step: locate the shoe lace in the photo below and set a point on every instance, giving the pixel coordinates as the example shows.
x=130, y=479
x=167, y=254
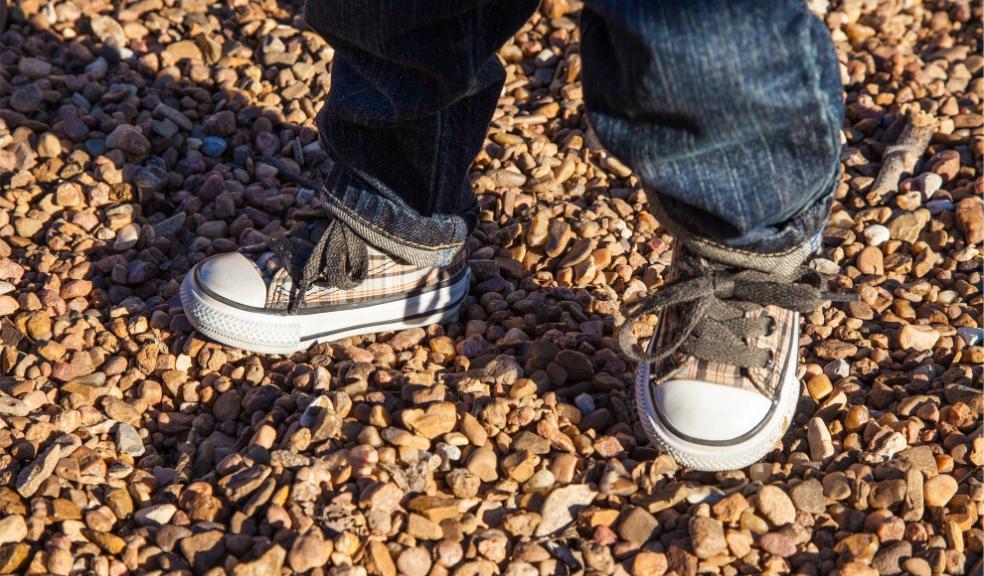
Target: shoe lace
x=339, y=259
x=714, y=306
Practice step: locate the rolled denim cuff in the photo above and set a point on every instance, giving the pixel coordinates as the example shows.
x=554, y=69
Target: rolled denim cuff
x=390, y=225
x=795, y=249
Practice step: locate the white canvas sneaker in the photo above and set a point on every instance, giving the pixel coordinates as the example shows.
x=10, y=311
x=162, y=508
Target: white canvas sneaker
x=716, y=387
x=344, y=288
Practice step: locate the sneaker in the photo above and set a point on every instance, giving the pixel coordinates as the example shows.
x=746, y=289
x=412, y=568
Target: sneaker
x=291, y=297
x=716, y=386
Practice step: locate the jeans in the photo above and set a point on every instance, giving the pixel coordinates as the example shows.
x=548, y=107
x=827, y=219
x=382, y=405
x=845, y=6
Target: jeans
x=729, y=112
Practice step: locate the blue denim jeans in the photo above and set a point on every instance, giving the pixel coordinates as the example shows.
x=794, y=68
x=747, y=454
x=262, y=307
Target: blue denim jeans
x=729, y=112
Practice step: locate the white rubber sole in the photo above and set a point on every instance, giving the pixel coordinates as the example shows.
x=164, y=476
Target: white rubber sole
x=718, y=458
x=268, y=333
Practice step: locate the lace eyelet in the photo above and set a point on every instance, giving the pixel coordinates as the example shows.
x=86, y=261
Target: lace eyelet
x=771, y=362
x=772, y=327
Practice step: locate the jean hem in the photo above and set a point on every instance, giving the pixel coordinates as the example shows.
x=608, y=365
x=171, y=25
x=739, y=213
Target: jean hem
x=392, y=226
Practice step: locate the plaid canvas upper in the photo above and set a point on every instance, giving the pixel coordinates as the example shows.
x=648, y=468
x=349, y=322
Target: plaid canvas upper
x=681, y=366
x=387, y=277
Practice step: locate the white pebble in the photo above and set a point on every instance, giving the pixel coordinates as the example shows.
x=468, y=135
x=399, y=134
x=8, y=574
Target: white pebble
x=928, y=184
x=837, y=369
x=825, y=266
x=876, y=234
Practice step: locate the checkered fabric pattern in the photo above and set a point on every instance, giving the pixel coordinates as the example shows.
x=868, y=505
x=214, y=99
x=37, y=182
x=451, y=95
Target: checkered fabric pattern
x=765, y=380
x=683, y=367
x=387, y=277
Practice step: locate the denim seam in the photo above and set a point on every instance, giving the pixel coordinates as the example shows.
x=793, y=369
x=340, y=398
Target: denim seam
x=435, y=167
x=338, y=204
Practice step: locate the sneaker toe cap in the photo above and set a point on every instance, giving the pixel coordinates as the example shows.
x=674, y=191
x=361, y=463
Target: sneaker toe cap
x=233, y=277
x=703, y=411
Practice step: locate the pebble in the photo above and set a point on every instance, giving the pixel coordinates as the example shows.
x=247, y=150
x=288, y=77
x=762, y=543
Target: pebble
x=707, y=535
x=821, y=446
x=938, y=490
x=414, y=561
x=876, y=234
x=128, y=440
x=213, y=146
x=129, y=139
x=309, y=551
x=561, y=506
x=919, y=338
x=775, y=505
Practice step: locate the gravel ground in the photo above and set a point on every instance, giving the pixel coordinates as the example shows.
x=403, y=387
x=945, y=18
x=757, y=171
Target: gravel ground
x=139, y=138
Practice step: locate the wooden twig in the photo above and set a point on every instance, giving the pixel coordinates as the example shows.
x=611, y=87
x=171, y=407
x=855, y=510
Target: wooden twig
x=900, y=158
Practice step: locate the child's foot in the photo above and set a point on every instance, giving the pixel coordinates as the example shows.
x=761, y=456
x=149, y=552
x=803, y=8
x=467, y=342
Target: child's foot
x=717, y=387
x=343, y=288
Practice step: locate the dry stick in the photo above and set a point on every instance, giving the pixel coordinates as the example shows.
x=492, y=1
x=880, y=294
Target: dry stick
x=900, y=158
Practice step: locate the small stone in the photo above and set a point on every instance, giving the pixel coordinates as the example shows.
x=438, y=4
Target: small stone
x=184, y=50
x=437, y=419
x=938, y=490
x=917, y=567
x=970, y=219
x=110, y=543
x=907, y=226
x=26, y=99
x=407, y=339
x=775, y=505
x=857, y=569
x=876, y=234
x=50, y=147
x=808, y=497
x=821, y=445
x=213, y=146
x=577, y=365
x=204, y=549
x=561, y=506
x=637, y=526
x=707, y=537
x=34, y=68
x=13, y=528
x=539, y=229
x=310, y=550
x=858, y=547
x=128, y=440
x=871, y=261
x=780, y=543
x=269, y=562
x=414, y=561
x=919, y=338
x=649, y=564
x=483, y=463
x=819, y=386
x=31, y=477
x=888, y=560
x=156, y=515
x=129, y=139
